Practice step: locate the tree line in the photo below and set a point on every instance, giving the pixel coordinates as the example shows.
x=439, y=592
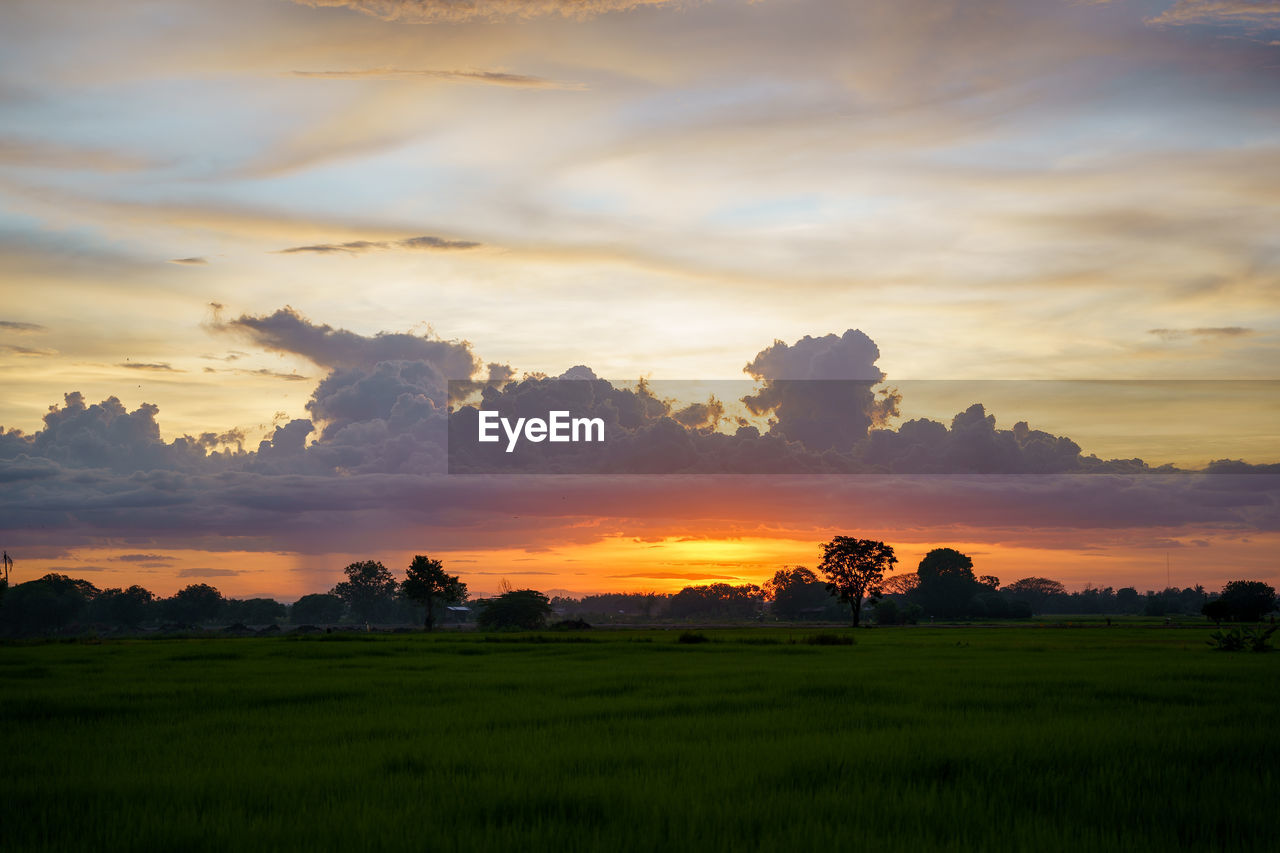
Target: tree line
x=369, y=594
x=852, y=581
x=853, y=577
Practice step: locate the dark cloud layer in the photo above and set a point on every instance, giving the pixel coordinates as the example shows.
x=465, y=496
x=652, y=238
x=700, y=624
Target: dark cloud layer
x=367, y=466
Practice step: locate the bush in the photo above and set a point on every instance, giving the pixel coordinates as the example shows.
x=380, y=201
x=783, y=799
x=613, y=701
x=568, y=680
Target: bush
x=1238, y=639
x=519, y=609
x=886, y=612
x=317, y=608
x=692, y=637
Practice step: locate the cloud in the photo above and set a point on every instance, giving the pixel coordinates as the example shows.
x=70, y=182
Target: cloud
x=366, y=471
x=189, y=262
x=807, y=388
x=261, y=371
x=161, y=366
x=52, y=155
x=72, y=571
x=27, y=351
x=1220, y=11
x=690, y=576
x=208, y=573
x=1217, y=332
x=492, y=78
x=288, y=331
x=20, y=327
x=359, y=247
x=142, y=558
x=458, y=11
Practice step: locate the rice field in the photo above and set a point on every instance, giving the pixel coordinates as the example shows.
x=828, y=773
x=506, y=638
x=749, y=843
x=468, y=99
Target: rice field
x=1030, y=738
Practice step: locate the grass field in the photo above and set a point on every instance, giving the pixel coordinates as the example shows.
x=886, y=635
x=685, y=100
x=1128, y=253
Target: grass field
x=1031, y=738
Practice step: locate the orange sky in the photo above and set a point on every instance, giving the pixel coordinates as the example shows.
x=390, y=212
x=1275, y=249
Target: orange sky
x=275, y=230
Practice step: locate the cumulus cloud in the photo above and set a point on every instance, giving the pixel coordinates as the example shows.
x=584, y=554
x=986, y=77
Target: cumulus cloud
x=365, y=469
x=103, y=435
x=492, y=78
x=819, y=390
x=457, y=11
x=359, y=247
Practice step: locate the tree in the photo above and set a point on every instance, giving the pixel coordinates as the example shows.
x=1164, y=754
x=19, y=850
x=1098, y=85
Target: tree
x=1128, y=600
x=426, y=583
x=254, y=611
x=196, y=603
x=797, y=592
x=317, y=609
x=854, y=567
x=516, y=608
x=947, y=583
x=48, y=603
x=129, y=607
x=369, y=590
x=1037, y=592
x=1244, y=601
x=717, y=600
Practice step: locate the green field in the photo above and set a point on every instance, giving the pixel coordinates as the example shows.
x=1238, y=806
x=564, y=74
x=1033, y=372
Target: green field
x=1030, y=738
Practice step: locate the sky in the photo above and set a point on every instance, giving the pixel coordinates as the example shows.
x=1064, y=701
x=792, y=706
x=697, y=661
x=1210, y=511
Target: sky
x=245, y=245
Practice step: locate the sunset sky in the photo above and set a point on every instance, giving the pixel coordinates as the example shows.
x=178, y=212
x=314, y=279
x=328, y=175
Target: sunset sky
x=292, y=222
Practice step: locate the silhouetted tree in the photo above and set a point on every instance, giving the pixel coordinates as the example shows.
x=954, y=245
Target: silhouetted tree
x=608, y=606
x=48, y=603
x=1128, y=600
x=797, y=593
x=369, y=590
x=855, y=567
x=316, y=609
x=947, y=583
x=1037, y=592
x=717, y=600
x=194, y=604
x=426, y=583
x=517, y=608
x=902, y=584
x=129, y=607
x=1243, y=601
x=254, y=611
